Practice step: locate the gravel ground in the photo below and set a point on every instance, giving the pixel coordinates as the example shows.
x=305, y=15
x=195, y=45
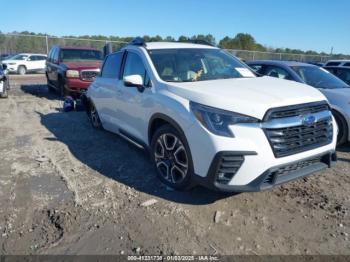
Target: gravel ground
x=68, y=189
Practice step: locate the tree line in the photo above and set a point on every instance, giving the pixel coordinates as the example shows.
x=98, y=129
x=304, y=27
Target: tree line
x=34, y=42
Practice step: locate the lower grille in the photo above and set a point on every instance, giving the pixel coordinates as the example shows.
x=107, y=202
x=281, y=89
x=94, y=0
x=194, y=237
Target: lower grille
x=291, y=140
x=283, y=172
x=228, y=166
x=89, y=75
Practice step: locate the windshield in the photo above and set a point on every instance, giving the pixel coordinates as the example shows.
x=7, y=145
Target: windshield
x=19, y=57
x=80, y=55
x=188, y=65
x=318, y=77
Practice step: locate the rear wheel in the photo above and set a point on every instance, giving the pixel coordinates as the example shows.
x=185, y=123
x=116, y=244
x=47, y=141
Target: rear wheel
x=343, y=128
x=22, y=70
x=172, y=158
x=94, y=117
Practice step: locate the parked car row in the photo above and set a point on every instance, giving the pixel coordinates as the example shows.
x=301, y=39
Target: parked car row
x=207, y=118
x=25, y=63
x=336, y=90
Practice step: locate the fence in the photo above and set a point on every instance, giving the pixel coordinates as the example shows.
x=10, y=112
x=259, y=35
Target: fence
x=20, y=43
x=258, y=55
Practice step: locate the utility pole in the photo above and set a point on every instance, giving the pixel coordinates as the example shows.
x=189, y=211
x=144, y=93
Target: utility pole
x=47, y=44
x=332, y=50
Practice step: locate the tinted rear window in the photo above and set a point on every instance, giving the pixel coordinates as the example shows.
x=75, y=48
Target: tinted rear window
x=80, y=55
x=333, y=64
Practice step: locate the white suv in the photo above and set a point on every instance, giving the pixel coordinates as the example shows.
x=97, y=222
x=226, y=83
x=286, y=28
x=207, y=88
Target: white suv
x=23, y=63
x=207, y=119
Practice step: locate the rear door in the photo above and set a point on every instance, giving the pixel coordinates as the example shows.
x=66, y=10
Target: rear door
x=105, y=91
x=41, y=60
x=31, y=62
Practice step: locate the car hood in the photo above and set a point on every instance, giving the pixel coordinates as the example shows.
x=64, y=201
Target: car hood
x=10, y=61
x=336, y=95
x=249, y=96
x=83, y=65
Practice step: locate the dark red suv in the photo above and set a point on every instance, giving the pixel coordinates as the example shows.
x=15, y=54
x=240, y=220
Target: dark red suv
x=70, y=70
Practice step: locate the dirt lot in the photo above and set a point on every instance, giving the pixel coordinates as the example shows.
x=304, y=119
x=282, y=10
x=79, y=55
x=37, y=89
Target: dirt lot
x=66, y=188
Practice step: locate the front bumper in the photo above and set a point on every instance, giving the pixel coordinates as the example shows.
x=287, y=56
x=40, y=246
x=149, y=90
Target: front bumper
x=272, y=177
x=77, y=85
x=12, y=68
x=251, y=142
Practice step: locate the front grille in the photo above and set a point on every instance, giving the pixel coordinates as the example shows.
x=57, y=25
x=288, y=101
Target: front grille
x=228, y=166
x=296, y=110
x=89, y=75
x=290, y=140
x=296, y=139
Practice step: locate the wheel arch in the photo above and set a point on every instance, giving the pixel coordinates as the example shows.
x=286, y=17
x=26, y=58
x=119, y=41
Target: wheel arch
x=339, y=113
x=159, y=119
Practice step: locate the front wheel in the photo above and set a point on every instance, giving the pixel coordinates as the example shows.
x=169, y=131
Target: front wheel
x=22, y=70
x=62, y=89
x=172, y=158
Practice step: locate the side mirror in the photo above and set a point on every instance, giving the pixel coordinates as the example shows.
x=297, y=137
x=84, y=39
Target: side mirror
x=134, y=81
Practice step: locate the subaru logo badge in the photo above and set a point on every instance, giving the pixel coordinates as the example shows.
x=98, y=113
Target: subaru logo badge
x=309, y=120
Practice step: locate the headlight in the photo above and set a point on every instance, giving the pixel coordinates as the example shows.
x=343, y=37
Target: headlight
x=218, y=121
x=72, y=73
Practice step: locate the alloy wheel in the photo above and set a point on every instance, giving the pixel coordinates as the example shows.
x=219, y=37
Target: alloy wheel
x=171, y=158
x=95, y=120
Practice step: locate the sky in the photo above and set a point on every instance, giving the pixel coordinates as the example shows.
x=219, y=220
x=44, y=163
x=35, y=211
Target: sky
x=301, y=24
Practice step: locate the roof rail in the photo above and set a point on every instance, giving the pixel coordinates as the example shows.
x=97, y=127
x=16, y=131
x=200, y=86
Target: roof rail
x=138, y=41
x=197, y=41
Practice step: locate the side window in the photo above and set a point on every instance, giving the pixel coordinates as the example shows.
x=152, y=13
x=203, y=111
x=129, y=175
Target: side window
x=111, y=66
x=333, y=64
x=55, y=54
x=49, y=56
x=134, y=66
x=347, y=64
x=344, y=74
x=257, y=68
x=41, y=58
x=32, y=58
x=275, y=71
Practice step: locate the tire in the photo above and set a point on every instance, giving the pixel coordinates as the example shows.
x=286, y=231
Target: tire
x=94, y=117
x=172, y=158
x=49, y=85
x=4, y=94
x=50, y=88
x=22, y=70
x=61, y=89
x=343, y=128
